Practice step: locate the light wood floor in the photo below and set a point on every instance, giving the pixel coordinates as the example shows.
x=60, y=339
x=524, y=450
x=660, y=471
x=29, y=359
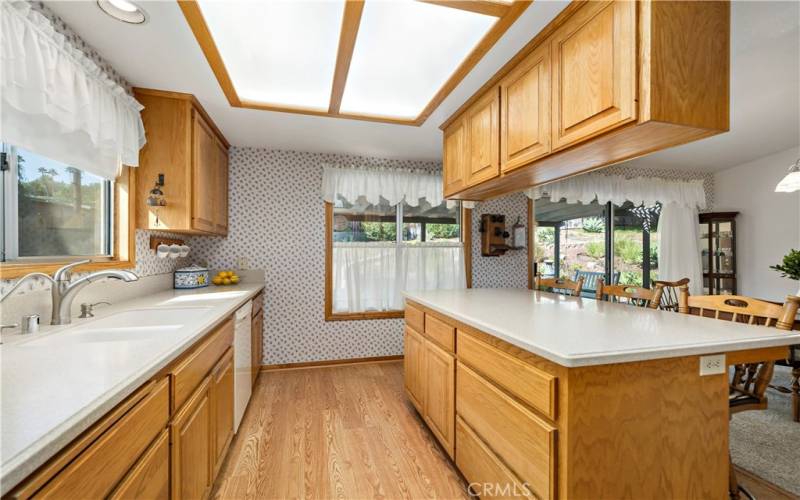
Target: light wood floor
x=340, y=432
x=348, y=432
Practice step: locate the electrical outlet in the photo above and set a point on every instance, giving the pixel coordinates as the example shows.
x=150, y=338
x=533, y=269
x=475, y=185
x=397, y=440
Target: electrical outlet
x=242, y=263
x=713, y=364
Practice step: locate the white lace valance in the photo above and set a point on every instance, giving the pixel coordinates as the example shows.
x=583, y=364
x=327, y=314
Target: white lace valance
x=618, y=189
x=59, y=103
x=393, y=185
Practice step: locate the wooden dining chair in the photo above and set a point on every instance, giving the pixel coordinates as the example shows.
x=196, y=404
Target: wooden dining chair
x=559, y=285
x=629, y=294
x=669, y=295
x=749, y=382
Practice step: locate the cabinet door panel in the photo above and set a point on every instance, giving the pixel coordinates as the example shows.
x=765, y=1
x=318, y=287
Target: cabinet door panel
x=149, y=478
x=454, y=157
x=525, y=111
x=414, y=368
x=594, y=71
x=221, y=193
x=483, y=137
x=440, y=394
x=204, y=175
x=257, y=349
x=222, y=394
x=191, y=451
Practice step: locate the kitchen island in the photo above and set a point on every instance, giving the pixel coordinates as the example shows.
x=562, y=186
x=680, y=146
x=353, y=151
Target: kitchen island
x=537, y=394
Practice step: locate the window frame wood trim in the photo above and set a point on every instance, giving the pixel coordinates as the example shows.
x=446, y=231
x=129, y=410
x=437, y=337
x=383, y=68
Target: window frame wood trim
x=124, y=255
x=466, y=239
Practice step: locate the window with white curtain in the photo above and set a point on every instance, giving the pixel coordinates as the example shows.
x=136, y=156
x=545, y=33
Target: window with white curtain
x=52, y=209
x=382, y=246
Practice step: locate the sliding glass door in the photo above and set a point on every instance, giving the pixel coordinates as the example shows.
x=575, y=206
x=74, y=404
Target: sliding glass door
x=617, y=243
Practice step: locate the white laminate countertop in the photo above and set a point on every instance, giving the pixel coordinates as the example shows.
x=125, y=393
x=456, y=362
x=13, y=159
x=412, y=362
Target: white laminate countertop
x=51, y=395
x=574, y=332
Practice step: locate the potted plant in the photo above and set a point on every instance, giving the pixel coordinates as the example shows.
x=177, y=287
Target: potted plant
x=790, y=268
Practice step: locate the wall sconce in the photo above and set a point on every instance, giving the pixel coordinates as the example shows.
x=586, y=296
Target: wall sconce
x=156, y=198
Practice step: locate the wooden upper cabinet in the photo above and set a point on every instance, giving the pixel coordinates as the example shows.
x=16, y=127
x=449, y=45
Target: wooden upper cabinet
x=604, y=82
x=221, y=195
x=453, y=158
x=205, y=176
x=184, y=145
x=594, y=71
x=525, y=111
x=483, y=138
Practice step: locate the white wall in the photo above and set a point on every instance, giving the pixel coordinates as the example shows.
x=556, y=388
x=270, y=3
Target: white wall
x=768, y=225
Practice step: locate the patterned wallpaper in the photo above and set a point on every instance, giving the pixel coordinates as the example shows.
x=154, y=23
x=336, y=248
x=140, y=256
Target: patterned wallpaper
x=504, y=271
x=276, y=223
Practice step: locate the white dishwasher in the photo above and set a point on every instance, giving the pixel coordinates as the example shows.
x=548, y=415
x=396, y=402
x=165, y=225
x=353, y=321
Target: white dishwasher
x=242, y=376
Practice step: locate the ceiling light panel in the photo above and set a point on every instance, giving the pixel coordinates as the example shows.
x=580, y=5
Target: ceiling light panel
x=405, y=51
x=278, y=52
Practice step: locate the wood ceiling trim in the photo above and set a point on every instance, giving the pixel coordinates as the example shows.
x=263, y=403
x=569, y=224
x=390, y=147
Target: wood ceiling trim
x=194, y=17
x=351, y=20
x=486, y=7
x=191, y=11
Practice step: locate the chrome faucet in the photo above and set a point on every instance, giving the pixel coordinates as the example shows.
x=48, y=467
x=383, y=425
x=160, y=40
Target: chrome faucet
x=63, y=290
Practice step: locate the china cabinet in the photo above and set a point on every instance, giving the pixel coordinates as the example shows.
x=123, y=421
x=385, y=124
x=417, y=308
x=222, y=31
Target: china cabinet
x=718, y=249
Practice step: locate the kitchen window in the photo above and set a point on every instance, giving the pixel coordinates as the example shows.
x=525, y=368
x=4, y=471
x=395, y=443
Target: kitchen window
x=53, y=212
x=376, y=251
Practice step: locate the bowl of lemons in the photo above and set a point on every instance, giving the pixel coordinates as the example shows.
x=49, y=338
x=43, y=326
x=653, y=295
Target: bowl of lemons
x=225, y=278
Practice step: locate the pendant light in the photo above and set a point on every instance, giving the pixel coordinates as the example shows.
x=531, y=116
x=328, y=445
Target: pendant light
x=791, y=182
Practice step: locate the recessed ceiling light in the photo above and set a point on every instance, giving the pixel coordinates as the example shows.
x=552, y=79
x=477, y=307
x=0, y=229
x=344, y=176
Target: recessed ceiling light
x=123, y=10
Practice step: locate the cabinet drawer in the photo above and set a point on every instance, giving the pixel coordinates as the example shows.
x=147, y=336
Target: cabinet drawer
x=487, y=475
x=192, y=370
x=523, y=441
x=415, y=318
x=528, y=383
x=149, y=478
x=440, y=332
x=100, y=467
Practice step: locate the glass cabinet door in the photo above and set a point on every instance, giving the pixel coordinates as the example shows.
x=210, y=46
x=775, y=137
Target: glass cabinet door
x=723, y=247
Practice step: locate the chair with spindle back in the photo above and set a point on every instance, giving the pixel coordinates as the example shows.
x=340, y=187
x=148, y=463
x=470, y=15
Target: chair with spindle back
x=559, y=285
x=669, y=297
x=629, y=294
x=749, y=382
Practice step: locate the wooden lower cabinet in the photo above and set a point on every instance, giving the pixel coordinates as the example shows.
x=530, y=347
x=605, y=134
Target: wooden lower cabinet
x=524, y=426
x=257, y=347
x=414, y=368
x=486, y=474
x=191, y=447
x=166, y=440
x=222, y=405
x=430, y=385
x=149, y=478
x=440, y=394
x=522, y=440
x=98, y=469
